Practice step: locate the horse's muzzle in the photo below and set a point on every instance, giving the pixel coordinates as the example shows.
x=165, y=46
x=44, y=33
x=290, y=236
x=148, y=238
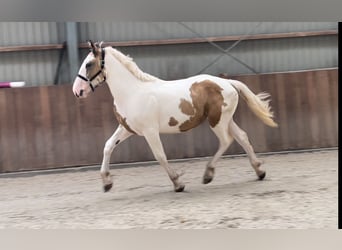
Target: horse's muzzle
x=78, y=95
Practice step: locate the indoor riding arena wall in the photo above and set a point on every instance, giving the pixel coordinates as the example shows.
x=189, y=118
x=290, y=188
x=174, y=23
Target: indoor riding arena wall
x=47, y=127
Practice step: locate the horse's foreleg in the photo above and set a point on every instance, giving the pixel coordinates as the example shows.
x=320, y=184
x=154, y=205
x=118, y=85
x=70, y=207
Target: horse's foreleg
x=225, y=140
x=153, y=139
x=241, y=137
x=119, y=136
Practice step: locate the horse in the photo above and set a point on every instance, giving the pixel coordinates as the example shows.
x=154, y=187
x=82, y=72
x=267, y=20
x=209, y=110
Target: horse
x=147, y=106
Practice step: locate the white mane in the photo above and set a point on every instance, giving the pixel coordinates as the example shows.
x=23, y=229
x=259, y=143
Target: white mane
x=131, y=66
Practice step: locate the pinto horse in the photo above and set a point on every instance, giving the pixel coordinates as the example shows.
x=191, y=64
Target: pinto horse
x=145, y=105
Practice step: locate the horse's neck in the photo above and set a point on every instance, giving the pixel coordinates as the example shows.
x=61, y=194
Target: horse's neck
x=121, y=82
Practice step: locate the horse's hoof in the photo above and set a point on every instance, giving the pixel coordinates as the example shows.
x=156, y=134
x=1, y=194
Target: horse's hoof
x=180, y=188
x=208, y=175
x=207, y=179
x=107, y=187
x=262, y=176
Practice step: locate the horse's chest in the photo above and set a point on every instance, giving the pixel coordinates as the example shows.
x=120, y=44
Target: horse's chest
x=122, y=119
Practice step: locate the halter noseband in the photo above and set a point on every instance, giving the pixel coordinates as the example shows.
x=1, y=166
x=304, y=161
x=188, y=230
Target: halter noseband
x=89, y=80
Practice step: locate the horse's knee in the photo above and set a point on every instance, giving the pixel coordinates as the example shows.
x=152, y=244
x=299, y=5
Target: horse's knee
x=108, y=148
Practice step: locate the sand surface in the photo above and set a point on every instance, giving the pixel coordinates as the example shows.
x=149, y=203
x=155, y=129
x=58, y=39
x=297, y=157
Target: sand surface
x=299, y=191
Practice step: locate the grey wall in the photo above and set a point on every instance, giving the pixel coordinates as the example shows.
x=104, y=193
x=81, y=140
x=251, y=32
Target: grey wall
x=34, y=67
x=169, y=61
x=264, y=56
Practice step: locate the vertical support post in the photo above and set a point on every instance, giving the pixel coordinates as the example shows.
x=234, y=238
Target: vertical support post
x=72, y=46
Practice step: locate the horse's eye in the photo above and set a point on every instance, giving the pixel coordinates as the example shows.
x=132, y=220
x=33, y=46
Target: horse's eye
x=89, y=64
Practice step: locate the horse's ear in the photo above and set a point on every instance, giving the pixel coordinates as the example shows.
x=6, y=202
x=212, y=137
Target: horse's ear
x=92, y=47
x=99, y=45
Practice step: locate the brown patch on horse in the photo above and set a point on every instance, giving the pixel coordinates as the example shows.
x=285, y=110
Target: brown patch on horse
x=172, y=122
x=186, y=107
x=207, y=102
x=122, y=120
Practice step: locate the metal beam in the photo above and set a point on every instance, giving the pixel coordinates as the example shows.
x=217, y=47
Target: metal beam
x=224, y=51
x=72, y=46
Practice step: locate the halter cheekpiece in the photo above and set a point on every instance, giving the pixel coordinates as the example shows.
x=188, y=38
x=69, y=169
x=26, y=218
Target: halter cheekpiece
x=89, y=80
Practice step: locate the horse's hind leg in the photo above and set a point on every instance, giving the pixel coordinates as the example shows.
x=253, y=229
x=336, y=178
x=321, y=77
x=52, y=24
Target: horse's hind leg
x=225, y=139
x=119, y=136
x=241, y=137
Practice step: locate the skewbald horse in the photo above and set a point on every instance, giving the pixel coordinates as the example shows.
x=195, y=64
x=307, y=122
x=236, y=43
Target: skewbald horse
x=145, y=105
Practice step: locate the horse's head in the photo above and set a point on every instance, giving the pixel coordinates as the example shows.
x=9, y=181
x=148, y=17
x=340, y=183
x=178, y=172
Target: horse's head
x=91, y=73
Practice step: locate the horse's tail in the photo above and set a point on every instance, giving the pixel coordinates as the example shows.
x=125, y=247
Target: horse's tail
x=259, y=103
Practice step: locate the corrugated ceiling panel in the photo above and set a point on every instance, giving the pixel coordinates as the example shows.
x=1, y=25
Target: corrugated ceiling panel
x=33, y=67
x=174, y=61
x=125, y=31
x=277, y=55
x=29, y=33
x=169, y=61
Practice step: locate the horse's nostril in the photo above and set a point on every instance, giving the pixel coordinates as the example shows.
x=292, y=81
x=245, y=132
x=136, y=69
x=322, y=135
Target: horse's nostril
x=81, y=92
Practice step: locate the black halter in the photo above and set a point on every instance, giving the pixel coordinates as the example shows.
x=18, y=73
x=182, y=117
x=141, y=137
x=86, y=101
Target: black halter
x=89, y=80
